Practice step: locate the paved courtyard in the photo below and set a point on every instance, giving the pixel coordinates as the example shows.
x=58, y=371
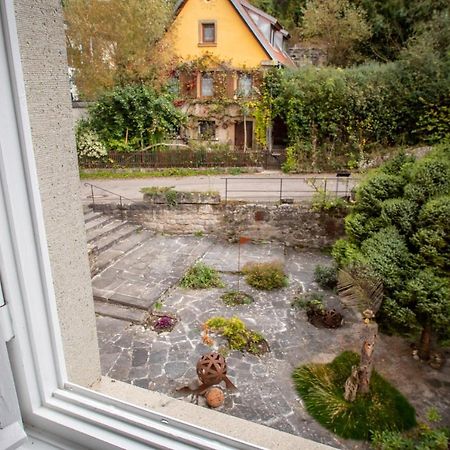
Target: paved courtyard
x=164, y=362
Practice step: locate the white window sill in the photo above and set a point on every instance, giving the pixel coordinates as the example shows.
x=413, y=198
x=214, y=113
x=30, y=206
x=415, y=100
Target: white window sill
x=215, y=421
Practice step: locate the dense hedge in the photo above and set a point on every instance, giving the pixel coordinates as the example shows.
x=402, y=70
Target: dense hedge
x=400, y=228
x=341, y=115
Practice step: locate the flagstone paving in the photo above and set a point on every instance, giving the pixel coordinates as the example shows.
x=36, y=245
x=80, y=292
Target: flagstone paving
x=166, y=361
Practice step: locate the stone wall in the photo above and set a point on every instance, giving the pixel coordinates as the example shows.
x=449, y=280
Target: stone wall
x=306, y=56
x=296, y=225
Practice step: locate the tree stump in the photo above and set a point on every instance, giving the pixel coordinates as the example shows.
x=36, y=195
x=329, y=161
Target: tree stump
x=366, y=361
x=351, y=385
x=359, y=380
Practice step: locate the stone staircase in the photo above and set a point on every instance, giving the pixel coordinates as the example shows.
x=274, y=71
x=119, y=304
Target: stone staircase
x=133, y=268
x=108, y=240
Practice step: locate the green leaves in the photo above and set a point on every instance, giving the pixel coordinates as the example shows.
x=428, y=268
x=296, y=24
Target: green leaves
x=133, y=117
x=400, y=228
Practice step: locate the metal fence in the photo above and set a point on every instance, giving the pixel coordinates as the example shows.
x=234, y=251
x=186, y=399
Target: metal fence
x=287, y=189
x=176, y=157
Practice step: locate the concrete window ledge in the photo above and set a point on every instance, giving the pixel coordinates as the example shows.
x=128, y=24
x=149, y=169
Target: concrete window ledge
x=215, y=421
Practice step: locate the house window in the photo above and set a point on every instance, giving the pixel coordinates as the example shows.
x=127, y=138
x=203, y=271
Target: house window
x=207, y=33
x=207, y=85
x=206, y=129
x=173, y=86
x=245, y=84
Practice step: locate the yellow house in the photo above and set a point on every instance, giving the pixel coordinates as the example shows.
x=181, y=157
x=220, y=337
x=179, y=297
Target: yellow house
x=223, y=45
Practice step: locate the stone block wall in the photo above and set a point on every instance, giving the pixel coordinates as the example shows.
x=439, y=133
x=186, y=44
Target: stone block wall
x=295, y=225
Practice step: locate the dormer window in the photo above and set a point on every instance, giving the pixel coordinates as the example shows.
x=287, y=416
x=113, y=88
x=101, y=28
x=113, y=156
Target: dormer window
x=207, y=33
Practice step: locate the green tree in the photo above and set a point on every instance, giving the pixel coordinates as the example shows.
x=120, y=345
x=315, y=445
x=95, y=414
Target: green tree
x=114, y=42
x=134, y=117
x=395, y=22
x=337, y=25
x=399, y=228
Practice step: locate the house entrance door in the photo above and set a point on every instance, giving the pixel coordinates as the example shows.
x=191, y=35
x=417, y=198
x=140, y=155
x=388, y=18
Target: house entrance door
x=243, y=139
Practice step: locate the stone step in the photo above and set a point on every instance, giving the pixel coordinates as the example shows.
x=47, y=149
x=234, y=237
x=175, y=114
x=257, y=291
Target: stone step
x=110, y=227
x=117, y=311
x=106, y=240
x=112, y=254
x=91, y=215
x=126, y=300
x=98, y=222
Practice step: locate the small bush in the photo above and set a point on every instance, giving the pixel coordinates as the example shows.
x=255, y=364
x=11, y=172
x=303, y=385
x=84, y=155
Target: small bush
x=321, y=387
x=235, y=298
x=201, y=276
x=325, y=276
x=238, y=335
x=265, y=276
x=322, y=202
x=309, y=300
x=89, y=145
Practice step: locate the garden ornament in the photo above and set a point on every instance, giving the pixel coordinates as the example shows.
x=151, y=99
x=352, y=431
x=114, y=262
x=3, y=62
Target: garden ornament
x=214, y=397
x=211, y=370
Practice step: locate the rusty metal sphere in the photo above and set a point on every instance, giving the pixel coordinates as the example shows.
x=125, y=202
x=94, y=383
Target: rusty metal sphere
x=214, y=397
x=211, y=368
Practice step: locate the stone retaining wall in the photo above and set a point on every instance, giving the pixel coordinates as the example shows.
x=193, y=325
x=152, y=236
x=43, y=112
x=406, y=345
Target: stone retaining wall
x=297, y=225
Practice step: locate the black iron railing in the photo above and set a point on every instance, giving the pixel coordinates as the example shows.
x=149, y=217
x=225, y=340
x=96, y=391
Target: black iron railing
x=121, y=197
x=286, y=188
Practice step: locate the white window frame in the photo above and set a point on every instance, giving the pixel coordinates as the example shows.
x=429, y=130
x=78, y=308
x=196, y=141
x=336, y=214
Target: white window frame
x=52, y=407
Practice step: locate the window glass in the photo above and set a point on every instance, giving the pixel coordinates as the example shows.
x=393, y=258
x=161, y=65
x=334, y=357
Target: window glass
x=208, y=32
x=206, y=129
x=245, y=85
x=207, y=85
x=173, y=85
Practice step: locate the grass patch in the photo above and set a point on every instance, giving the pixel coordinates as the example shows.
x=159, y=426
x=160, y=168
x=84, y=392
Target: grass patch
x=156, y=190
x=239, y=337
x=265, y=276
x=200, y=276
x=168, y=192
x=321, y=386
x=235, y=298
x=169, y=172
